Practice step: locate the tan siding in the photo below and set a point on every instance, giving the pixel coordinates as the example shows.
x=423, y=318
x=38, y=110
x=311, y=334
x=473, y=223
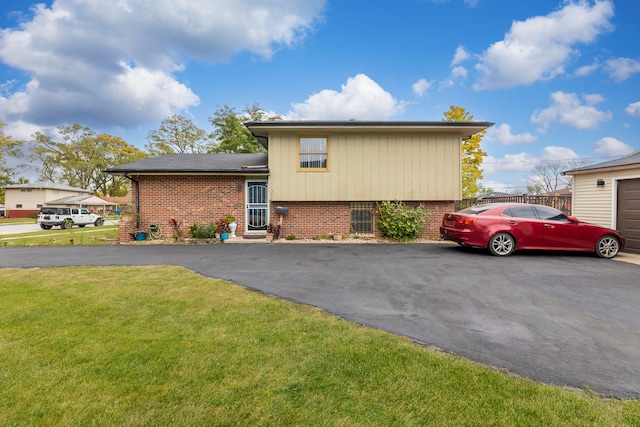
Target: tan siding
x=590, y=202
x=370, y=167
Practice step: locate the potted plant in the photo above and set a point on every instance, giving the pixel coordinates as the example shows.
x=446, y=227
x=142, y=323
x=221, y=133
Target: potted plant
x=232, y=224
x=273, y=232
x=222, y=226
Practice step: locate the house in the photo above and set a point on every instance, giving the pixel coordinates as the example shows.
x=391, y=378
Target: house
x=317, y=178
x=93, y=203
x=608, y=194
x=23, y=200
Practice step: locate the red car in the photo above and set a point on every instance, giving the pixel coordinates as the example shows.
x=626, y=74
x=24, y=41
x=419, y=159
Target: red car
x=506, y=227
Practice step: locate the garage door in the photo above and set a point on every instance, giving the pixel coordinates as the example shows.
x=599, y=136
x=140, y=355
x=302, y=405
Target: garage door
x=629, y=213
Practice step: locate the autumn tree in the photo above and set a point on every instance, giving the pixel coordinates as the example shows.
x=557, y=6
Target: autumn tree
x=79, y=158
x=472, y=153
x=177, y=134
x=230, y=134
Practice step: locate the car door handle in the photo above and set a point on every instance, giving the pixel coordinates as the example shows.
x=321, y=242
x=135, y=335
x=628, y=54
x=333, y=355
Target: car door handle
x=550, y=226
x=512, y=222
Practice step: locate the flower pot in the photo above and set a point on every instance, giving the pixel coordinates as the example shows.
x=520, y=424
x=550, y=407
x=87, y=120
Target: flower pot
x=140, y=235
x=224, y=236
x=232, y=228
x=269, y=237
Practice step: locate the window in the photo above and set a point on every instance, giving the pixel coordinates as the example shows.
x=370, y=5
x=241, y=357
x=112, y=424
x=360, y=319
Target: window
x=521, y=212
x=362, y=217
x=313, y=153
x=18, y=206
x=550, y=214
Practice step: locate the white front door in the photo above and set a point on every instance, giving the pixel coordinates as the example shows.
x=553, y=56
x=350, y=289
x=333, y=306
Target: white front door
x=257, y=213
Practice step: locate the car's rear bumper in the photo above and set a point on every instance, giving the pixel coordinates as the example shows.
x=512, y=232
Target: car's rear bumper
x=462, y=236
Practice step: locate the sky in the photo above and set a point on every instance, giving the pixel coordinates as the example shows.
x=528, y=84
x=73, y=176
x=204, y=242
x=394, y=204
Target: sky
x=560, y=79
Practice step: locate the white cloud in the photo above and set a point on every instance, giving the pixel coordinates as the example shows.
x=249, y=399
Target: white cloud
x=360, y=98
x=520, y=162
x=620, y=69
x=567, y=108
x=459, y=73
x=116, y=64
x=553, y=153
x=611, y=147
x=461, y=55
x=421, y=87
x=633, y=109
x=587, y=69
x=539, y=47
x=502, y=135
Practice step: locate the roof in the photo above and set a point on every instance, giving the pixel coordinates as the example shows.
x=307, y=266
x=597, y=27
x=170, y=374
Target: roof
x=631, y=160
x=89, y=200
x=214, y=163
x=463, y=129
x=48, y=186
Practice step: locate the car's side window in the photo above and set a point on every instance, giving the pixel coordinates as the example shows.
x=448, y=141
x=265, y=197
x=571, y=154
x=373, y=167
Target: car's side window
x=521, y=212
x=84, y=211
x=74, y=211
x=550, y=214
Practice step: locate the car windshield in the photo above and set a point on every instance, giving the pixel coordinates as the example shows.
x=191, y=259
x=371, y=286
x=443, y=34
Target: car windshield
x=475, y=210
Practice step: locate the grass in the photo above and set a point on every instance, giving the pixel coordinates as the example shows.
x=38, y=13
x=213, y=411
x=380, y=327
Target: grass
x=86, y=236
x=165, y=346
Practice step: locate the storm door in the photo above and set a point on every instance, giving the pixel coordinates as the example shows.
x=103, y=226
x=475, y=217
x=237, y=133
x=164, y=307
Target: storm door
x=257, y=206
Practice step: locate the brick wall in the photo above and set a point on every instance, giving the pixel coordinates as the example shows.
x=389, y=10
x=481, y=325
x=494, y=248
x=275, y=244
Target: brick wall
x=189, y=199
x=204, y=199
x=312, y=219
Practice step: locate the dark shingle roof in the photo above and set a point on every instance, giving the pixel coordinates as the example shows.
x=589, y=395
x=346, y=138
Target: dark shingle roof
x=197, y=163
x=630, y=160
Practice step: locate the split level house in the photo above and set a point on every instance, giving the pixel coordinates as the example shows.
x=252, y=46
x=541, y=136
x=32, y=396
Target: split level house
x=317, y=178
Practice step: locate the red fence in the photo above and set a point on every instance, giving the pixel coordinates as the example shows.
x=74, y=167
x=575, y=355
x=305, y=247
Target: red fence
x=562, y=203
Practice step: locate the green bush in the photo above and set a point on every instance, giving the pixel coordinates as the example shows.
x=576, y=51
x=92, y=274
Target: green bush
x=399, y=222
x=201, y=231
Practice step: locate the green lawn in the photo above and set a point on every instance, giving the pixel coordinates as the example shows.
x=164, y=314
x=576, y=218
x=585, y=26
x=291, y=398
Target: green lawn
x=165, y=346
x=86, y=236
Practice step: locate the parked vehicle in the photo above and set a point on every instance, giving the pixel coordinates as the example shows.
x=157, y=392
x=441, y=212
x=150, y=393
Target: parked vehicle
x=505, y=227
x=66, y=217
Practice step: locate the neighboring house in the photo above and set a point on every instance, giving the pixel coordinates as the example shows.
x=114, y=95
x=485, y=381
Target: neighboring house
x=608, y=194
x=319, y=177
x=23, y=200
x=2, y=210
x=120, y=203
x=93, y=203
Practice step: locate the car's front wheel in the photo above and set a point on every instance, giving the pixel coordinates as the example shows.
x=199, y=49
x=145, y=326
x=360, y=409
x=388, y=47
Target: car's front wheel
x=502, y=244
x=99, y=222
x=607, y=247
x=67, y=223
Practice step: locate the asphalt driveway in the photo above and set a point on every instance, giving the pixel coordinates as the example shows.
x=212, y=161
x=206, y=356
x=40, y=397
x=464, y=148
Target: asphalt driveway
x=562, y=319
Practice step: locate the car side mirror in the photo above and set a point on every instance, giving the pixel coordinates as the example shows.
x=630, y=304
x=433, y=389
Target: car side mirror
x=573, y=219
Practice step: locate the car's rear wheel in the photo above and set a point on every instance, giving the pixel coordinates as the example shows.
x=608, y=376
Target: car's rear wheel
x=502, y=244
x=98, y=222
x=67, y=223
x=607, y=247
x=45, y=227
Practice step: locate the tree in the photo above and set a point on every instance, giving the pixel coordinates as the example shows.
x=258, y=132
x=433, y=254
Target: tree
x=177, y=134
x=547, y=176
x=472, y=153
x=9, y=147
x=79, y=159
x=230, y=134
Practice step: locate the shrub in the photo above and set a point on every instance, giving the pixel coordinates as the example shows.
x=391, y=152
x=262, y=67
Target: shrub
x=399, y=222
x=201, y=231
x=274, y=229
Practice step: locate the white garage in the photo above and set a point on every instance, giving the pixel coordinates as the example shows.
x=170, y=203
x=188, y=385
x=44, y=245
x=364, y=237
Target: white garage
x=608, y=194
